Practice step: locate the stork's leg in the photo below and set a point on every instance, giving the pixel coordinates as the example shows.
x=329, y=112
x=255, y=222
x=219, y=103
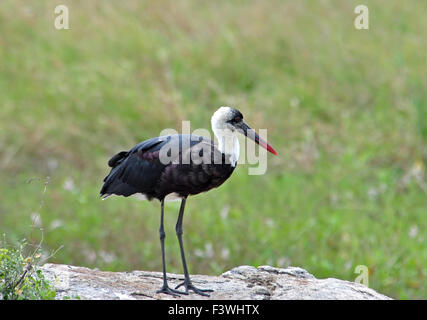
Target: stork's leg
x=187, y=282
x=165, y=288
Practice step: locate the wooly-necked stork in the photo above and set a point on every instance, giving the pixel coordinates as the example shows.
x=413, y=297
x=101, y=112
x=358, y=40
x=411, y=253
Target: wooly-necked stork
x=176, y=166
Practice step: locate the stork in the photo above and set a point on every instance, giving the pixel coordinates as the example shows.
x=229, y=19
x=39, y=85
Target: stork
x=174, y=167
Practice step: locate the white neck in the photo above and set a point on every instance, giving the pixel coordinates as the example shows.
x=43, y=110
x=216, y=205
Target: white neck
x=228, y=144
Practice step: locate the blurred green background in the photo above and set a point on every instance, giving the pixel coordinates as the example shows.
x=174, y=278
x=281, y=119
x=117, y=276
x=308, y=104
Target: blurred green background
x=345, y=109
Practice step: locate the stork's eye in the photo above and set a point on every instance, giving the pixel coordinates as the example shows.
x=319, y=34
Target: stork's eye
x=237, y=119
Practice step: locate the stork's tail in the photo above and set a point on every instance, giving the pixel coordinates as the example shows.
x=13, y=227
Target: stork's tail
x=112, y=182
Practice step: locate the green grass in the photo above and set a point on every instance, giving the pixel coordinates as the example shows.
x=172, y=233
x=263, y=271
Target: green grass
x=345, y=109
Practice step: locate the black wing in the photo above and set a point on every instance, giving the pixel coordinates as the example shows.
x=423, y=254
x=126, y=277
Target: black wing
x=135, y=170
x=139, y=169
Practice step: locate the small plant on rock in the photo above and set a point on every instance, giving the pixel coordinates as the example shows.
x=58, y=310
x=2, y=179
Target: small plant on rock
x=20, y=277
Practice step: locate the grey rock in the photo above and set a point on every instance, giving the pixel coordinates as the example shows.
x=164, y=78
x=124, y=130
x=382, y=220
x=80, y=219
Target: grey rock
x=244, y=282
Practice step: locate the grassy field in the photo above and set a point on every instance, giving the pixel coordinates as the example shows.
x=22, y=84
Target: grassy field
x=346, y=110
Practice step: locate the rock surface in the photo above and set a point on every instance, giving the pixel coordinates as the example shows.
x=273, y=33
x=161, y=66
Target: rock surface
x=244, y=282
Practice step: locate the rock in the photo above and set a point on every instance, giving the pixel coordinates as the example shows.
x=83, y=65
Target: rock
x=244, y=282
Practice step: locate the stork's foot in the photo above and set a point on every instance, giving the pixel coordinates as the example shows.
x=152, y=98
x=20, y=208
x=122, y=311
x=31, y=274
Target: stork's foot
x=165, y=289
x=189, y=286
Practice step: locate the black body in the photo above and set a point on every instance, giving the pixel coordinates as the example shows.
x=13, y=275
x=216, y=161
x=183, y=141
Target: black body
x=140, y=170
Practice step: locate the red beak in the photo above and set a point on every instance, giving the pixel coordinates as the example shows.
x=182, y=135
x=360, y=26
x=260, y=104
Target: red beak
x=251, y=134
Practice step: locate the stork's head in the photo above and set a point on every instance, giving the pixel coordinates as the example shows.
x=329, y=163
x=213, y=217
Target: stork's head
x=227, y=119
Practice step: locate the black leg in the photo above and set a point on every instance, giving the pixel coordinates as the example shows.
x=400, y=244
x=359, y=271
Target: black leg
x=187, y=282
x=165, y=288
